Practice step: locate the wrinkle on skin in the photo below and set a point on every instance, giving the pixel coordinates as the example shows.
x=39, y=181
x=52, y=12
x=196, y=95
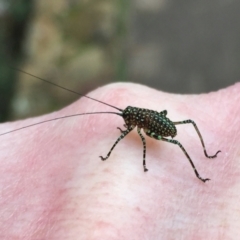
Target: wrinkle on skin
x=54, y=186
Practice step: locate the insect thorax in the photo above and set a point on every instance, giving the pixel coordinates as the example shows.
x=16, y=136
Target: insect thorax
x=151, y=121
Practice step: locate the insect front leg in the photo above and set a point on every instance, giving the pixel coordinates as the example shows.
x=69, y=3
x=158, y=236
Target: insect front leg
x=199, y=134
x=144, y=149
x=124, y=133
x=153, y=135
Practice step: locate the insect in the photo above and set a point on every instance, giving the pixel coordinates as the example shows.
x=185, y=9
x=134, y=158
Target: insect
x=155, y=125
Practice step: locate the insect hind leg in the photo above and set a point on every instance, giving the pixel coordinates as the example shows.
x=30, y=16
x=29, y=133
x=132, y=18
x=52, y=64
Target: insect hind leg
x=199, y=135
x=124, y=133
x=153, y=135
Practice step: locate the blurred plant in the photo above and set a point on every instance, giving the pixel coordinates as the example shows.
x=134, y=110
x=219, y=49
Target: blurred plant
x=14, y=16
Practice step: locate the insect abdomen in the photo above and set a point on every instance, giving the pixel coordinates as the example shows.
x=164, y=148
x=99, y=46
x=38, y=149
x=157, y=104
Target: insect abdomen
x=151, y=121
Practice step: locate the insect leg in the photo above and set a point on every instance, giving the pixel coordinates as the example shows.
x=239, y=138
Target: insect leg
x=144, y=149
x=185, y=152
x=199, y=134
x=153, y=135
x=124, y=133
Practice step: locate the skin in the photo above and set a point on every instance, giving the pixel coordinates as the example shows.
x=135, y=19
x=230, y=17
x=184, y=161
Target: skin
x=53, y=184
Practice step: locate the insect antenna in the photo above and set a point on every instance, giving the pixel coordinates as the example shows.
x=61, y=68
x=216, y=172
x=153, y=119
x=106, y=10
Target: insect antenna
x=69, y=90
x=63, y=117
x=58, y=118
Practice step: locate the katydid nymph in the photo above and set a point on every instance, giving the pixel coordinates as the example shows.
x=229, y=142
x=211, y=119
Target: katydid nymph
x=154, y=124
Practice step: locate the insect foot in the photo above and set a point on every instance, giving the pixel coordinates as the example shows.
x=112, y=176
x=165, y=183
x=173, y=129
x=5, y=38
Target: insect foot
x=104, y=158
x=204, y=180
x=205, y=152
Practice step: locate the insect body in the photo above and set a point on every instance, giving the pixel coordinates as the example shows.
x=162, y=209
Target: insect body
x=155, y=125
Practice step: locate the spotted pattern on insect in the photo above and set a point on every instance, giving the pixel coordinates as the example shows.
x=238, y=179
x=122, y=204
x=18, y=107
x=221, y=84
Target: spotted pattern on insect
x=152, y=122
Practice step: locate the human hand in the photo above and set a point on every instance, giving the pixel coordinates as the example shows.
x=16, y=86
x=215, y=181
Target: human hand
x=54, y=186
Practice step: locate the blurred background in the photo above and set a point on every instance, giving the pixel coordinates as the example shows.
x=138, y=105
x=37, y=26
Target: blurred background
x=175, y=46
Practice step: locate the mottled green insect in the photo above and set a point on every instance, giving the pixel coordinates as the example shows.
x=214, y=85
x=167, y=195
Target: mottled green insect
x=155, y=124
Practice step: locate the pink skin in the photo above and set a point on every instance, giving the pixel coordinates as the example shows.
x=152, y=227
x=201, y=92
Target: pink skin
x=53, y=184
